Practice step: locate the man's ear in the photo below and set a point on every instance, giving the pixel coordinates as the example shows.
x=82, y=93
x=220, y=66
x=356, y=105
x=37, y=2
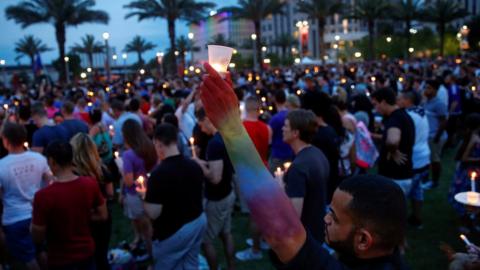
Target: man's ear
x=363, y=240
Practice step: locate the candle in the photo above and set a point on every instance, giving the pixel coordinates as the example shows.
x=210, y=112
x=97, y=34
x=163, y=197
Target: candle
x=5, y=106
x=286, y=165
x=141, y=188
x=112, y=130
x=473, y=175
x=116, y=154
x=279, y=176
x=25, y=144
x=192, y=145
x=465, y=239
x=219, y=58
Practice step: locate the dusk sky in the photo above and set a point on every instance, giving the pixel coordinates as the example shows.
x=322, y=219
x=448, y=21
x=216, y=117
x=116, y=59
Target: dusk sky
x=121, y=31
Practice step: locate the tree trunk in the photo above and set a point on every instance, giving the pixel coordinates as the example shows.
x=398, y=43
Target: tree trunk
x=32, y=64
x=371, y=40
x=60, y=36
x=321, y=39
x=90, y=60
x=173, y=48
x=140, y=59
x=284, y=52
x=258, y=44
x=407, y=38
x=441, y=31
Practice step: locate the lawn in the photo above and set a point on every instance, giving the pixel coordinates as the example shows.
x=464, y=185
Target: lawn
x=440, y=225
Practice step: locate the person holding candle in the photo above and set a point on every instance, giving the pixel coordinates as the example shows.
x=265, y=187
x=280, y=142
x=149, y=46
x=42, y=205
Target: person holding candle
x=23, y=173
x=138, y=160
x=467, y=157
x=87, y=162
x=174, y=204
x=307, y=177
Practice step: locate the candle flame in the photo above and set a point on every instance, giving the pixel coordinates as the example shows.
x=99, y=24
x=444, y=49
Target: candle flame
x=25, y=144
x=192, y=140
x=279, y=170
x=286, y=165
x=110, y=127
x=116, y=154
x=140, y=179
x=473, y=175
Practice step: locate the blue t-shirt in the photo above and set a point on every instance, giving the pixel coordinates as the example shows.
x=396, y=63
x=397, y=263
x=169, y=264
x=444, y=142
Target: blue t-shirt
x=435, y=109
x=47, y=134
x=74, y=126
x=280, y=149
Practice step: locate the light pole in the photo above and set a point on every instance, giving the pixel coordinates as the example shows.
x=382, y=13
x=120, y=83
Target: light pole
x=66, y=59
x=114, y=57
x=302, y=29
x=159, y=62
x=254, y=38
x=106, y=36
x=4, y=72
x=190, y=37
x=124, y=56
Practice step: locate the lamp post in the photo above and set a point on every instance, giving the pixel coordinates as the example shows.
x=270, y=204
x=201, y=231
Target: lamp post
x=66, y=59
x=302, y=29
x=4, y=72
x=190, y=37
x=159, y=62
x=106, y=36
x=114, y=57
x=254, y=38
x=124, y=56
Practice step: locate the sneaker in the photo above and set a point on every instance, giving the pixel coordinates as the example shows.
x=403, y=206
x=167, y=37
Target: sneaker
x=263, y=244
x=248, y=255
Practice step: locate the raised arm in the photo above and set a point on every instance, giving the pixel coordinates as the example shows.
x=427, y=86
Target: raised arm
x=270, y=207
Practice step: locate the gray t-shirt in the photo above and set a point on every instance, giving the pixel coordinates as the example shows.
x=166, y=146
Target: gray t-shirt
x=435, y=109
x=307, y=178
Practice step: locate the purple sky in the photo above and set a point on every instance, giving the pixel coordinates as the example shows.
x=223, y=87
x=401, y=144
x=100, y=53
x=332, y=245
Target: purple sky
x=121, y=31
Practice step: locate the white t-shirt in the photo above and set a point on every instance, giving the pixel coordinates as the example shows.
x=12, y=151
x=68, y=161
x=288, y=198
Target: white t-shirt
x=442, y=94
x=186, y=121
x=20, y=177
x=421, y=150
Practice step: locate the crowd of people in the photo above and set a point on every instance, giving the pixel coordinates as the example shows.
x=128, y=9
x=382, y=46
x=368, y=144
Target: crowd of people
x=171, y=152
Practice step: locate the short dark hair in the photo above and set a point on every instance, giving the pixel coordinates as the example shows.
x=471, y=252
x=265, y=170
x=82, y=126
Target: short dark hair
x=24, y=112
x=379, y=204
x=386, y=94
x=280, y=96
x=412, y=96
x=134, y=105
x=171, y=119
x=433, y=83
x=200, y=114
x=304, y=121
x=252, y=104
x=15, y=134
x=68, y=107
x=117, y=105
x=60, y=152
x=39, y=110
x=95, y=115
x=166, y=133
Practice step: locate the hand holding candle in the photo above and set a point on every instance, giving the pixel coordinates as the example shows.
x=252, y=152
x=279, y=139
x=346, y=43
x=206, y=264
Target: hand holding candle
x=192, y=145
x=141, y=187
x=219, y=58
x=465, y=239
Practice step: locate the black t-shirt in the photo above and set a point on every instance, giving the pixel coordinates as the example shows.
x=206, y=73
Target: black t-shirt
x=201, y=141
x=312, y=256
x=327, y=140
x=31, y=128
x=176, y=184
x=307, y=178
x=387, y=167
x=216, y=151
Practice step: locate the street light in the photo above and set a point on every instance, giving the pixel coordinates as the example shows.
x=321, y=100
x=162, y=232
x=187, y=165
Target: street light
x=337, y=37
x=302, y=29
x=159, y=62
x=190, y=37
x=106, y=36
x=3, y=63
x=66, y=59
x=389, y=39
x=254, y=38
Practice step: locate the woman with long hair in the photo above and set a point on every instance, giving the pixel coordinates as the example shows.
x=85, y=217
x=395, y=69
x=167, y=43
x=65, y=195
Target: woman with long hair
x=87, y=162
x=139, y=159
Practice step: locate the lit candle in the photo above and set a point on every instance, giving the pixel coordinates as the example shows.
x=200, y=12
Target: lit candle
x=279, y=173
x=473, y=175
x=286, y=165
x=5, y=106
x=25, y=144
x=192, y=145
x=116, y=154
x=141, y=188
x=465, y=239
x=112, y=130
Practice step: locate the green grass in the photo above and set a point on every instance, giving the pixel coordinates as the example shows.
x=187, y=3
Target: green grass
x=440, y=225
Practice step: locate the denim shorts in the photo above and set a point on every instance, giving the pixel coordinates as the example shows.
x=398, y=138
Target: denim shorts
x=416, y=192
x=19, y=241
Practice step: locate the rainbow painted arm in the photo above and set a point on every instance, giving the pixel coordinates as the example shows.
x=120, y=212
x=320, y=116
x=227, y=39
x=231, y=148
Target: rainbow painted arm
x=269, y=205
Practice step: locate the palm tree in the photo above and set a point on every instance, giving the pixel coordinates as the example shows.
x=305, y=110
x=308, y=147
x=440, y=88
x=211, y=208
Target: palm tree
x=442, y=12
x=255, y=11
x=184, y=46
x=89, y=47
x=320, y=10
x=29, y=46
x=284, y=41
x=407, y=11
x=171, y=10
x=59, y=13
x=370, y=11
x=221, y=40
x=139, y=45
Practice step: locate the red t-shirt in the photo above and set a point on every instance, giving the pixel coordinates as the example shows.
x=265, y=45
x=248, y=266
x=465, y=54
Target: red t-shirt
x=258, y=132
x=65, y=210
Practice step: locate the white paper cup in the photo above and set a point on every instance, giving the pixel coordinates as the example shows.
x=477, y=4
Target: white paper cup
x=219, y=58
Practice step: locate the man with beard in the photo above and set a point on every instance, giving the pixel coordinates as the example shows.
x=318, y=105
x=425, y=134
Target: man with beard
x=365, y=225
